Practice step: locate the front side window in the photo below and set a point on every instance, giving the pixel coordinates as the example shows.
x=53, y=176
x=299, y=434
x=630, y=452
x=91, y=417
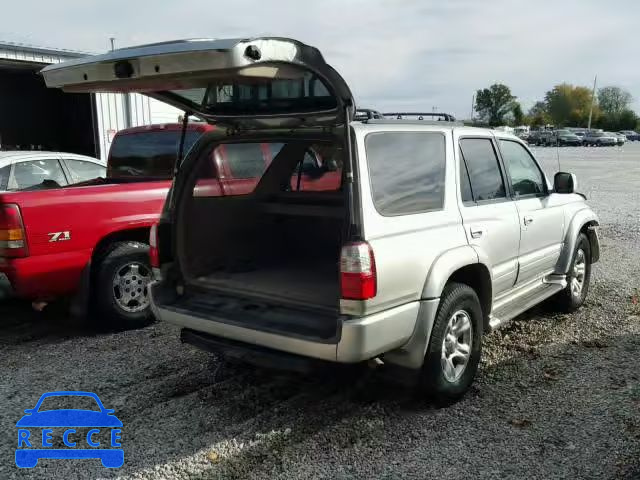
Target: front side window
x=526, y=177
x=483, y=168
x=82, y=171
x=407, y=171
x=35, y=172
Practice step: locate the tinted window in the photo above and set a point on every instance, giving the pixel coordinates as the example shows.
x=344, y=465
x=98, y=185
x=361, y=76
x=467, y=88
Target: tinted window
x=148, y=154
x=465, y=183
x=4, y=177
x=82, y=171
x=407, y=171
x=302, y=92
x=484, y=172
x=28, y=174
x=526, y=177
x=245, y=160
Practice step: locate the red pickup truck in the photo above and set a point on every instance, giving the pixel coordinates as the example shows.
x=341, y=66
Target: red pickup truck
x=90, y=240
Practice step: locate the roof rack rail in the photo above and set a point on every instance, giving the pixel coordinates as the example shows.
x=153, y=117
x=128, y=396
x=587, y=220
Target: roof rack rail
x=446, y=117
x=367, y=114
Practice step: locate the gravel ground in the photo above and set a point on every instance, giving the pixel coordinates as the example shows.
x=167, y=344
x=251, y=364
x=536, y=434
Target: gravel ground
x=557, y=396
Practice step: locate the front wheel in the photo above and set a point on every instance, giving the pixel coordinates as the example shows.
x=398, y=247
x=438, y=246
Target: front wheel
x=578, y=277
x=455, y=345
x=122, y=294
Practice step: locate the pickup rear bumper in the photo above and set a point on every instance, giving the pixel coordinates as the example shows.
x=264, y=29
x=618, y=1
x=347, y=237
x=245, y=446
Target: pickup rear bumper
x=362, y=338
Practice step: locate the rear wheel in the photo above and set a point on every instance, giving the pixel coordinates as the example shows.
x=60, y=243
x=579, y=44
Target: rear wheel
x=122, y=294
x=455, y=345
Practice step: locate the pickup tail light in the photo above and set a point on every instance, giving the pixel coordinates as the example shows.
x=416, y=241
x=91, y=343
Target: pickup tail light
x=357, y=272
x=154, y=257
x=13, y=240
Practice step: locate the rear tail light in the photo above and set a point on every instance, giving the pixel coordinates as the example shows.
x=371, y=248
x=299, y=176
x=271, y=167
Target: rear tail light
x=154, y=257
x=13, y=240
x=357, y=272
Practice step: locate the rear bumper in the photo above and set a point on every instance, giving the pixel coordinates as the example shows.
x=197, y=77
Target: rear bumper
x=44, y=276
x=361, y=339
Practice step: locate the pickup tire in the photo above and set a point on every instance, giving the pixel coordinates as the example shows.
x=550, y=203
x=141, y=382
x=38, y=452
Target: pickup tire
x=578, y=278
x=121, y=294
x=455, y=346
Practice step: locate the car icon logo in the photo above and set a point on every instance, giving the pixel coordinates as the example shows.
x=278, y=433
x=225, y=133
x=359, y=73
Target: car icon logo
x=85, y=432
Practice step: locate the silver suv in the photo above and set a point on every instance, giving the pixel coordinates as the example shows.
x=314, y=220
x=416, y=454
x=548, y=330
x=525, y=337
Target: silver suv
x=294, y=233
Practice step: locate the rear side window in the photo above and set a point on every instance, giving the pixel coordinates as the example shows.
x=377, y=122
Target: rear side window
x=148, y=154
x=244, y=160
x=407, y=171
x=4, y=177
x=82, y=171
x=484, y=172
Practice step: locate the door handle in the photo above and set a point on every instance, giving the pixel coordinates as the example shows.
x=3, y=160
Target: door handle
x=476, y=232
x=528, y=220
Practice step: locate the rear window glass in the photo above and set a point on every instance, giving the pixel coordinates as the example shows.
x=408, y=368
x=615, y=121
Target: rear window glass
x=407, y=171
x=300, y=91
x=148, y=154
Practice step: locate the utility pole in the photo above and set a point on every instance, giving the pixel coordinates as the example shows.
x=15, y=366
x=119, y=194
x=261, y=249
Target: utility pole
x=473, y=103
x=593, y=99
x=113, y=43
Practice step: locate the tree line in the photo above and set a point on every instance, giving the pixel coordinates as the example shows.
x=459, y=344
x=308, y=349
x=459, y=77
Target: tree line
x=564, y=105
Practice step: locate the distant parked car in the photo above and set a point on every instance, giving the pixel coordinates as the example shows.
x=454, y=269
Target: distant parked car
x=599, y=139
x=621, y=139
x=631, y=135
x=21, y=170
x=541, y=137
x=565, y=137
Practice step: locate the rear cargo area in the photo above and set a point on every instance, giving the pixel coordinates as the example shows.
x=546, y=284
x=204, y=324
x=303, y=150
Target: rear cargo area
x=268, y=245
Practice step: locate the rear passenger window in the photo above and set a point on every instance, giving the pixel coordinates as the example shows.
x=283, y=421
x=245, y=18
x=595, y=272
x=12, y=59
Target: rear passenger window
x=485, y=177
x=406, y=171
x=245, y=160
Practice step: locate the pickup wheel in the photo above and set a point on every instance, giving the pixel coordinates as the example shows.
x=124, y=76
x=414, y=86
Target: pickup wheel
x=121, y=293
x=578, y=278
x=455, y=346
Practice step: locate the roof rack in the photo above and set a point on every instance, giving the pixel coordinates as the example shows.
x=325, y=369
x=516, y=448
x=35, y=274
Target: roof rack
x=446, y=117
x=367, y=114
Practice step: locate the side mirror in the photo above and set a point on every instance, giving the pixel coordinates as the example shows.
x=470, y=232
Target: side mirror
x=564, y=182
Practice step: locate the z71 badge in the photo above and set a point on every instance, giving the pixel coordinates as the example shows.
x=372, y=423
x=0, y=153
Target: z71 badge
x=59, y=236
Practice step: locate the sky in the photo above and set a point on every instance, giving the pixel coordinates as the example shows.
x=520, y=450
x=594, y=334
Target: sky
x=395, y=54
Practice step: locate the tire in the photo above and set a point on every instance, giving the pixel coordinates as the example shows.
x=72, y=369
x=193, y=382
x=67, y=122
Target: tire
x=570, y=299
x=457, y=300
x=121, y=294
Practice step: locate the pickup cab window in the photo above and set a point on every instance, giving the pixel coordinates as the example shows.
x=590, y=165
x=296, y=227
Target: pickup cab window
x=148, y=154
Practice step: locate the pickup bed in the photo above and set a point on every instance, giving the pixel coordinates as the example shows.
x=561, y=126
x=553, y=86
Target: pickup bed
x=90, y=240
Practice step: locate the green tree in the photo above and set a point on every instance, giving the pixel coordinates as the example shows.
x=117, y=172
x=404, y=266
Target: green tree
x=614, y=122
x=569, y=105
x=613, y=100
x=493, y=103
x=518, y=115
x=538, y=115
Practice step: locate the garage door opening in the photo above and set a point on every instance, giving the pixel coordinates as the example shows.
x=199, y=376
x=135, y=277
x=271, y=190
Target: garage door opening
x=34, y=117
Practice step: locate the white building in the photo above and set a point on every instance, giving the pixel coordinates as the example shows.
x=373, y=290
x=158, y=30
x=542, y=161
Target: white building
x=34, y=117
